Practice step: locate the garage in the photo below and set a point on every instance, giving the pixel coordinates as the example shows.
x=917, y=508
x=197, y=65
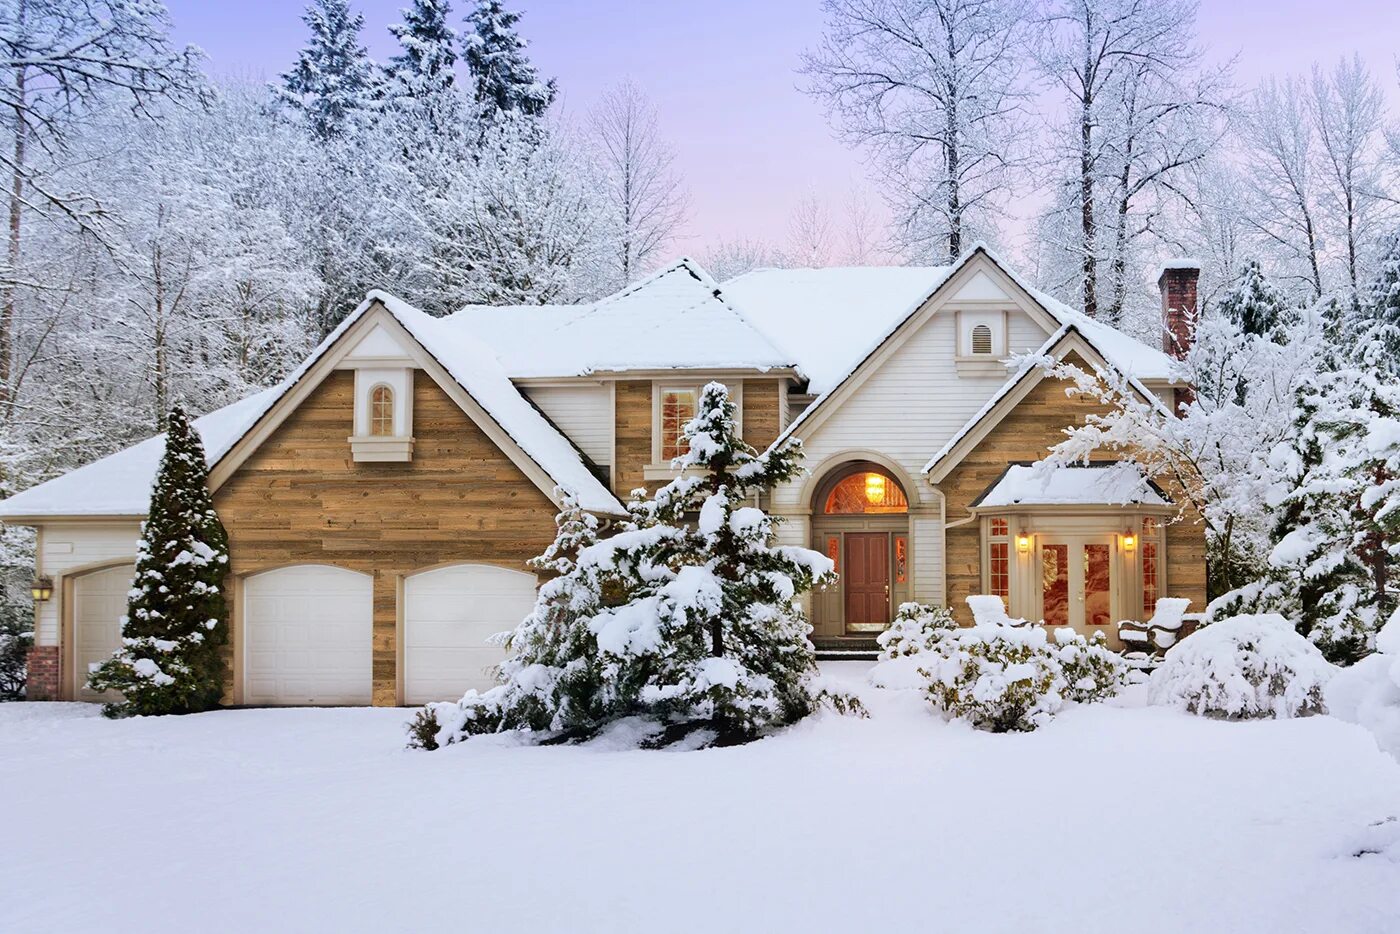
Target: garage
x=99, y=603
x=449, y=613
x=308, y=637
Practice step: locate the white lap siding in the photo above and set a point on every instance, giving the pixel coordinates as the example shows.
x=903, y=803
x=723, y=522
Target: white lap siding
x=68, y=547
x=584, y=412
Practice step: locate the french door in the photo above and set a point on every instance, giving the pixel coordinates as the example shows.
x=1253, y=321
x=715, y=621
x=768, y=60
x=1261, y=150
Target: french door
x=1077, y=581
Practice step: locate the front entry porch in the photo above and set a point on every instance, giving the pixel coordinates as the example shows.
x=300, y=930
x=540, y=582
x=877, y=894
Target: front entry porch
x=861, y=524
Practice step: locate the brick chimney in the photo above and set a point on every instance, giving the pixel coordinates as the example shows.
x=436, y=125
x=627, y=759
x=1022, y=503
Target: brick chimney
x=1177, y=282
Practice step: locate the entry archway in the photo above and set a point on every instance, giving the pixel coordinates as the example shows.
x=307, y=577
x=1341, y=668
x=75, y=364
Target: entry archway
x=860, y=519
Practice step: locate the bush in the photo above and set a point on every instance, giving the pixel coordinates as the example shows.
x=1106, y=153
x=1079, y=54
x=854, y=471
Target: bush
x=1245, y=667
x=1368, y=693
x=914, y=629
x=998, y=678
x=15, y=640
x=1091, y=670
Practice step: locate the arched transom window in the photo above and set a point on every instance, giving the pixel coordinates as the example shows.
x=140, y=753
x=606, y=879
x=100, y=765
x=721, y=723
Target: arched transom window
x=866, y=492
x=381, y=411
x=981, y=339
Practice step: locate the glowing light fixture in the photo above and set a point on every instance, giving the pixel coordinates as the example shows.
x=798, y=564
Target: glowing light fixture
x=1129, y=541
x=875, y=488
x=41, y=589
x=1023, y=542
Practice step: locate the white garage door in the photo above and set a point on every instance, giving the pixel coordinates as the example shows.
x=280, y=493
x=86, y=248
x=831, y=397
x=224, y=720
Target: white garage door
x=448, y=616
x=99, y=603
x=308, y=636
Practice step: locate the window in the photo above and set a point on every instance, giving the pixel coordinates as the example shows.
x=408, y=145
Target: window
x=677, y=409
x=901, y=559
x=381, y=411
x=1001, y=528
x=833, y=551
x=1151, y=578
x=866, y=492
x=1000, y=569
x=981, y=339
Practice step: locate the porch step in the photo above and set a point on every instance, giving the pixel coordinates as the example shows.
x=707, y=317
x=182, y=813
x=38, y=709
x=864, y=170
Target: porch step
x=846, y=648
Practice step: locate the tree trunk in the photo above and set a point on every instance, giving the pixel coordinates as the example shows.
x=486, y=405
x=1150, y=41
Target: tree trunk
x=9, y=300
x=952, y=162
x=1086, y=203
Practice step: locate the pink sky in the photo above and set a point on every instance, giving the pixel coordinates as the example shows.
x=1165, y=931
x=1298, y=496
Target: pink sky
x=723, y=74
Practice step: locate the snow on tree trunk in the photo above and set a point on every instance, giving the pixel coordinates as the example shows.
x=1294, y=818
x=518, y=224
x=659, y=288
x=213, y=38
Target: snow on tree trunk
x=687, y=617
x=171, y=660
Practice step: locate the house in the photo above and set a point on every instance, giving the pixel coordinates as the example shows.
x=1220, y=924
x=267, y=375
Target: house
x=382, y=501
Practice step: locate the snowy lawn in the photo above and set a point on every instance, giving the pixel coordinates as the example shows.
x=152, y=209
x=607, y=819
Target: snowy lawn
x=1111, y=818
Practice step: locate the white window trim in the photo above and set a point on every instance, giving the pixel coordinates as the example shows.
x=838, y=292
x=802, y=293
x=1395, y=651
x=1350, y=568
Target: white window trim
x=398, y=446
x=660, y=468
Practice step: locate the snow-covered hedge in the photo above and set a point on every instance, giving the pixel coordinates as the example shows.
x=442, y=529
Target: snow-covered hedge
x=1368, y=693
x=1091, y=670
x=998, y=678
x=1243, y=668
x=914, y=629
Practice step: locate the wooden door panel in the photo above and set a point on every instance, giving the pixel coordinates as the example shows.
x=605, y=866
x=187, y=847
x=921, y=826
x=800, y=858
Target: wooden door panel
x=867, y=579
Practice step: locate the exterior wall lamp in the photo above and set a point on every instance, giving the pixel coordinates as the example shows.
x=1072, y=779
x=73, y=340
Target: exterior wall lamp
x=1023, y=542
x=41, y=589
x=1129, y=541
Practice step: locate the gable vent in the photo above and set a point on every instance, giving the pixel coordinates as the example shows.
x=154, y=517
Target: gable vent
x=981, y=339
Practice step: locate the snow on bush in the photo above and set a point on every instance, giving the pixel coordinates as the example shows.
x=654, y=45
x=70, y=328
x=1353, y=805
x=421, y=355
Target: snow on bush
x=998, y=678
x=1241, y=668
x=693, y=626
x=1368, y=693
x=1090, y=669
x=914, y=629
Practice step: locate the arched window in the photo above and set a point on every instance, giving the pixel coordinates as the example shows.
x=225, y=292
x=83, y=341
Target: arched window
x=866, y=492
x=981, y=339
x=381, y=411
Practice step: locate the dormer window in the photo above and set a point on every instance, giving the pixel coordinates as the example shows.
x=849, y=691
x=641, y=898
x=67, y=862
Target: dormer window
x=383, y=418
x=381, y=412
x=981, y=340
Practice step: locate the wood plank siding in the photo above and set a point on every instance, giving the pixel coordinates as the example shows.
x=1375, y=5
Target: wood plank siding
x=1026, y=434
x=300, y=498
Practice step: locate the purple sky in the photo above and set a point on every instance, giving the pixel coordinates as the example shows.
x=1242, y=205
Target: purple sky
x=723, y=74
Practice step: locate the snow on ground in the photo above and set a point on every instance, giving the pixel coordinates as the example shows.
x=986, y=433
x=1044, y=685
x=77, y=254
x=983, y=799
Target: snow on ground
x=1111, y=818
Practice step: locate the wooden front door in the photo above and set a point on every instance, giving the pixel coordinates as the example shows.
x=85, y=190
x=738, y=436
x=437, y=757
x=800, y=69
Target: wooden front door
x=867, y=580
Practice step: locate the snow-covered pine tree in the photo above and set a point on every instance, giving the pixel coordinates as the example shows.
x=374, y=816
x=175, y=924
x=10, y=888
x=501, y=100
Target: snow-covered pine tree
x=171, y=659
x=503, y=79
x=1378, y=319
x=1254, y=304
x=332, y=83
x=421, y=78
x=687, y=618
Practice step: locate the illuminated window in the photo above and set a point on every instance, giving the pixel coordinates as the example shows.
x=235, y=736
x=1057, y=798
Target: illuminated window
x=677, y=409
x=1000, y=569
x=981, y=339
x=833, y=551
x=1001, y=528
x=901, y=559
x=381, y=411
x=1151, y=576
x=866, y=492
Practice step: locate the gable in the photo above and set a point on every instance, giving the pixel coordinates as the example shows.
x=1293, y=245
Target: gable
x=454, y=362
x=980, y=288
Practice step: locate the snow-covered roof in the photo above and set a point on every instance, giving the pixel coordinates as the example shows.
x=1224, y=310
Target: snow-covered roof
x=121, y=484
x=1116, y=484
x=830, y=319
x=676, y=318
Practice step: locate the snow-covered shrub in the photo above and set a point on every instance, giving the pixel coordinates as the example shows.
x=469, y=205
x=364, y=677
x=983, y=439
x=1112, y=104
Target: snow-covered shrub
x=15, y=640
x=1368, y=693
x=1242, y=668
x=170, y=660
x=914, y=629
x=998, y=678
x=1091, y=670
x=687, y=617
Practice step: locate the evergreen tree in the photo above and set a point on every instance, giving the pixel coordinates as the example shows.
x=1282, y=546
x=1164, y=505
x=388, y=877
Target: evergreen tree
x=332, y=83
x=688, y=617
x=503, y=79
x=170, y=660
x=421, y=77
x=1378, y=319
x=1253, y=304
